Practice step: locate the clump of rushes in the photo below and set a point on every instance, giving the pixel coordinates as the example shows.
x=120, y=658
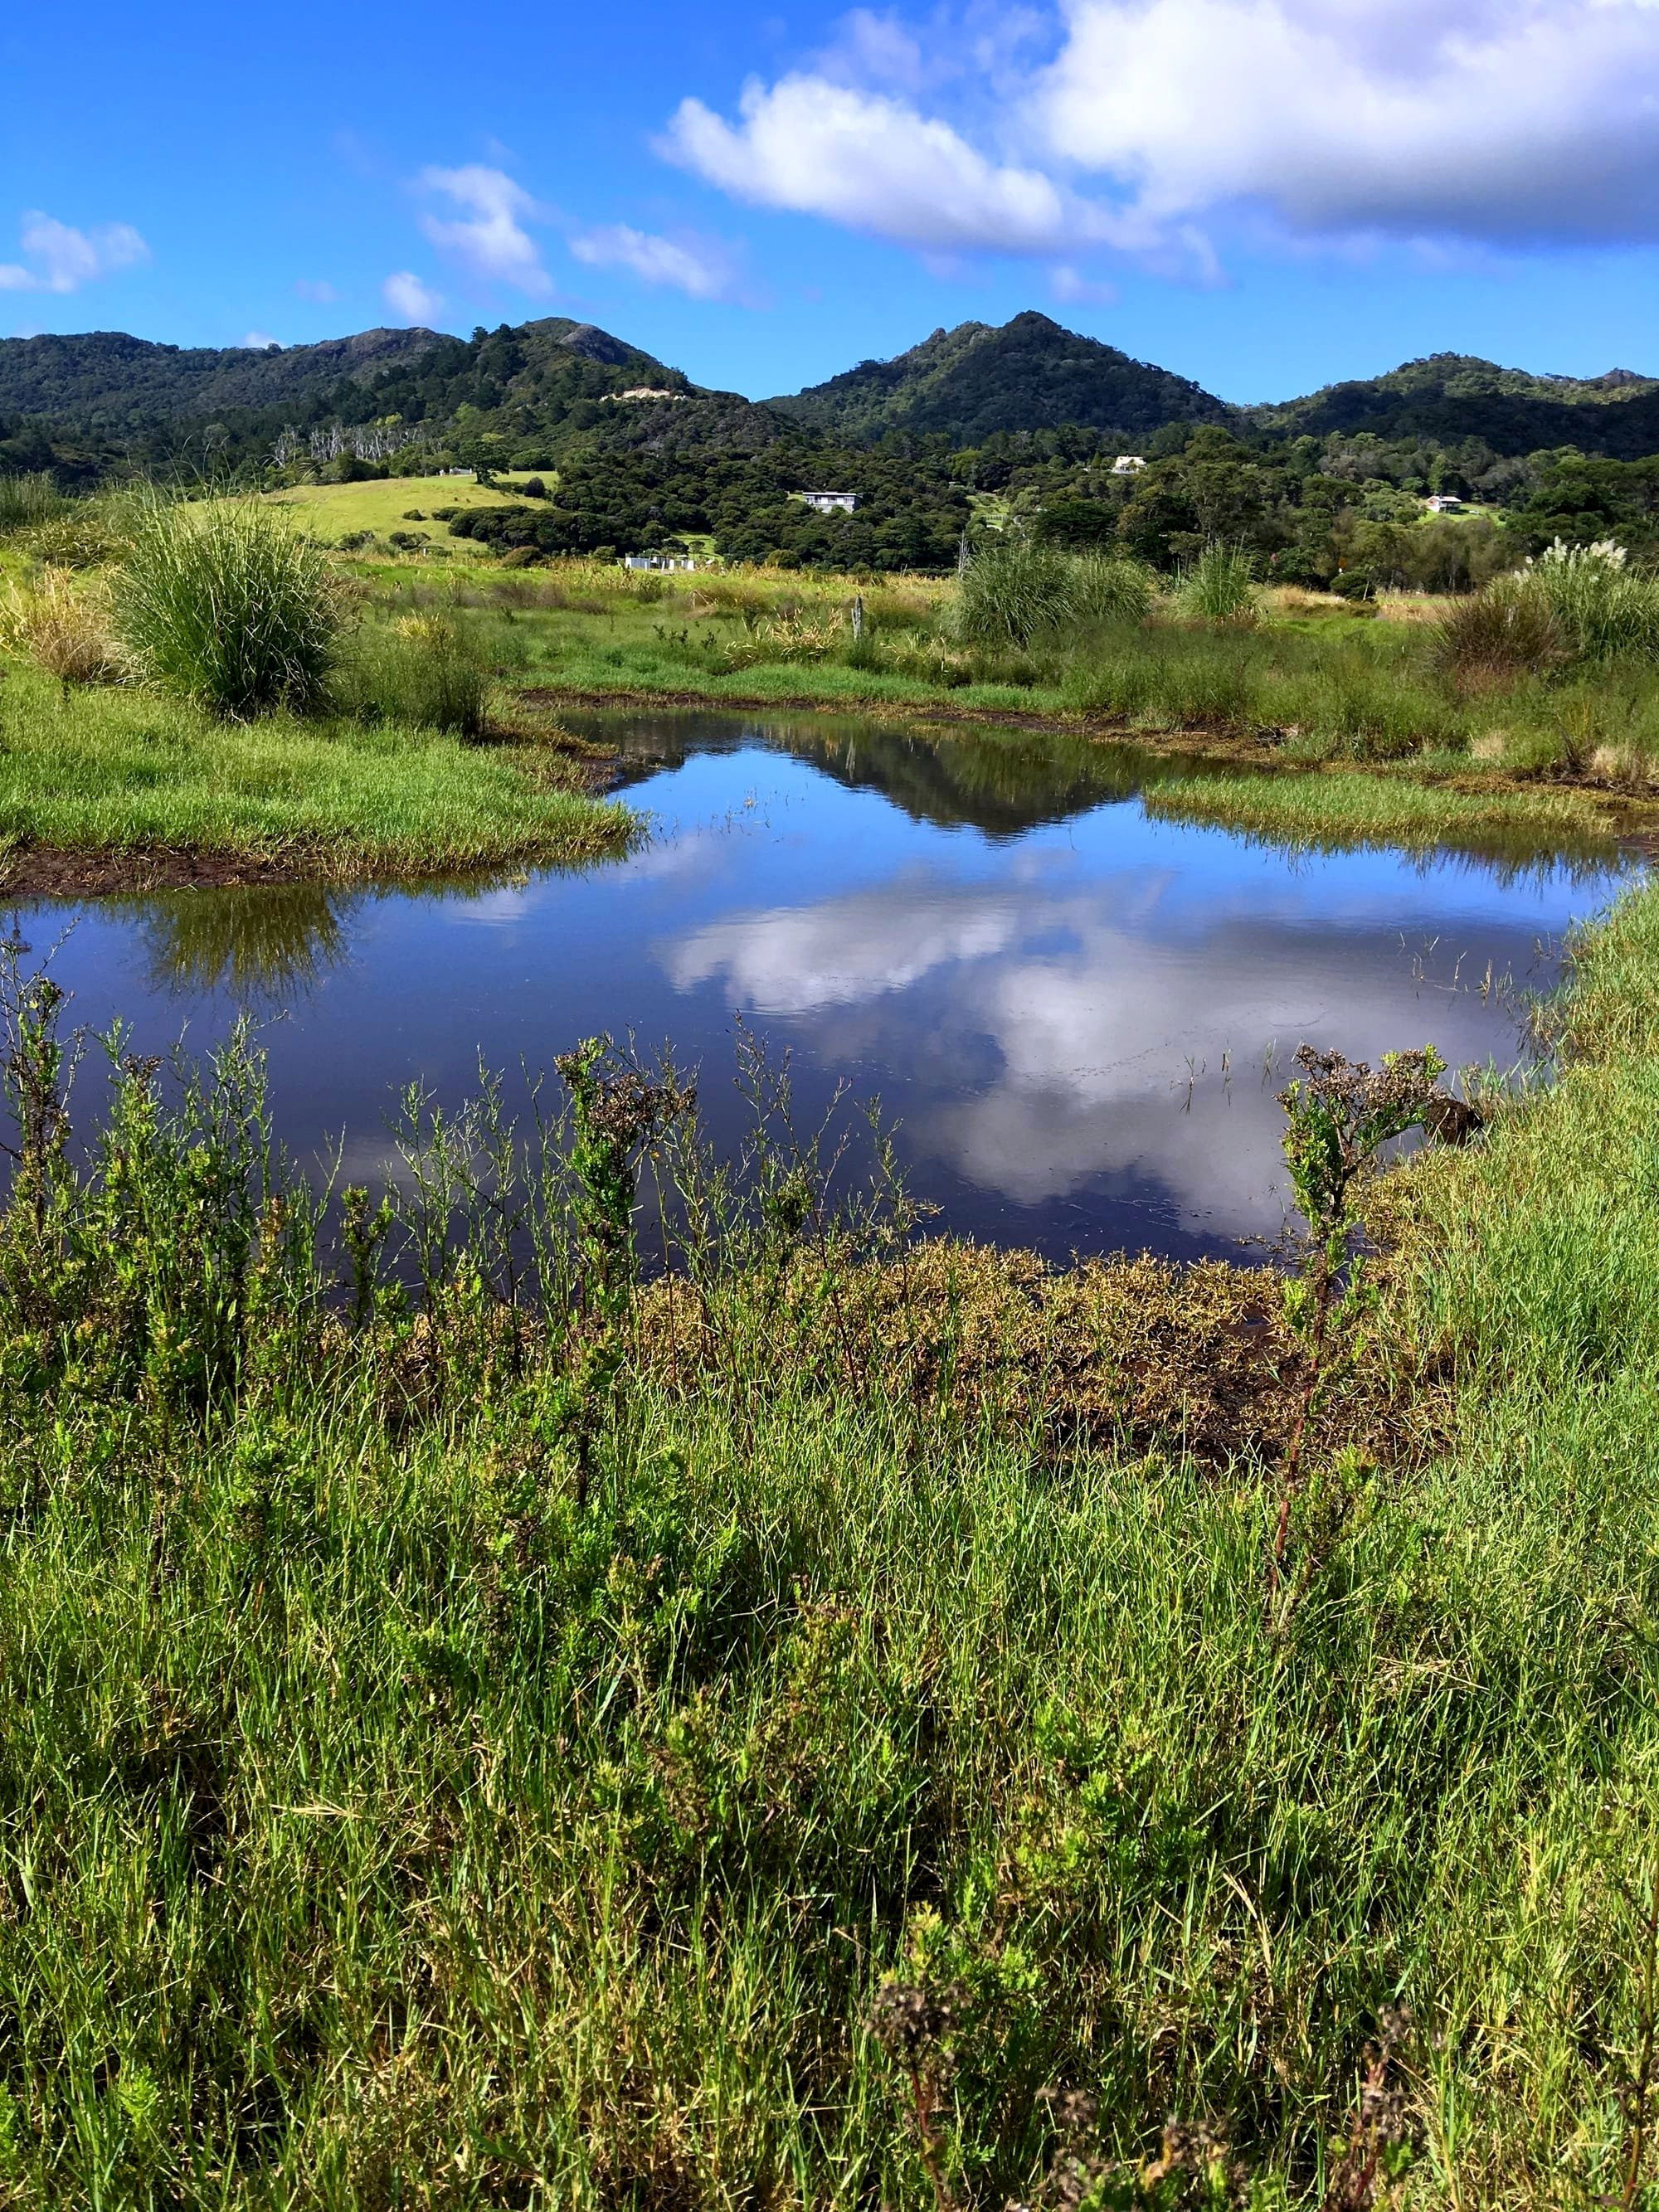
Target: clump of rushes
x=63, y=626
x=1107, y=588
x=424, y=669
x=1219, y=585
x=1494, y=636
x=225, y=603
x=28, y=497
x=1012, y=589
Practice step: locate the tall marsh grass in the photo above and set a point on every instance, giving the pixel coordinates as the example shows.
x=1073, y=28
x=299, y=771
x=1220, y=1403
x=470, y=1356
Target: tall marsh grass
x=423, y=669
x=224, y=603
x=28, y=498
x=1219, y=585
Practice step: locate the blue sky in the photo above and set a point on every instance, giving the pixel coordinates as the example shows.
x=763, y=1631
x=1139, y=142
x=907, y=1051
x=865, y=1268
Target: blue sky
x=1262, y=194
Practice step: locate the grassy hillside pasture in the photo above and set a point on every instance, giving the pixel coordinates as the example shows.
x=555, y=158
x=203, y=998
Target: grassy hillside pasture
x=334, y=511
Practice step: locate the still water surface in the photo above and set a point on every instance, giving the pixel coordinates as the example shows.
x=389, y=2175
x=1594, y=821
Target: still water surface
x=1079, y=1015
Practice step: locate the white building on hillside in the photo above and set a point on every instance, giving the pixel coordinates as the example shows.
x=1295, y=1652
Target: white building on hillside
x=829, y=503
x=1443, y=503
x=1129, y=465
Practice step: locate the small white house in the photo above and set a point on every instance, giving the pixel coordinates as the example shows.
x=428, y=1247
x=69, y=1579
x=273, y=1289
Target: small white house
x=1129, y=465
x=637, y=392
x=829, y=503
x=1443, y=503
x=662, y=563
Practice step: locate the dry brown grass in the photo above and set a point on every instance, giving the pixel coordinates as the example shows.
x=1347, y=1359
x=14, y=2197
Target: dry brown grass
x=64, y=626
x=1142, y=1353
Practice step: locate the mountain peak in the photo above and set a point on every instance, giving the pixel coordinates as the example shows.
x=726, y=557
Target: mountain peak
x=1028, y=373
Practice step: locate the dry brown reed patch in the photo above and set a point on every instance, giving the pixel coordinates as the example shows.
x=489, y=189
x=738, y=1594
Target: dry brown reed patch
x=1146, y=1352
x=64, y=626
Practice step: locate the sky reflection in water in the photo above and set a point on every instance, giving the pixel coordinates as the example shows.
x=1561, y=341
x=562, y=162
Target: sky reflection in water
x=1080, y=1016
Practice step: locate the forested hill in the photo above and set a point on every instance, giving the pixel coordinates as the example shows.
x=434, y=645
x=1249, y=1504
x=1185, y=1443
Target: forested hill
x=106, y=376
x=971, y=382
x=78, y=405
x=1451, y=397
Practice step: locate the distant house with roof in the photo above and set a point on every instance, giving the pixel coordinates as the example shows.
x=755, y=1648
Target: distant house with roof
x=662, y=563
x=1443, y=503
x=1129, y=465
x=829, y=503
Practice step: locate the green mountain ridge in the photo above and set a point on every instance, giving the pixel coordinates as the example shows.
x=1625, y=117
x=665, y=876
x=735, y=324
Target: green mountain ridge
x=978, y=379
x=540, y=390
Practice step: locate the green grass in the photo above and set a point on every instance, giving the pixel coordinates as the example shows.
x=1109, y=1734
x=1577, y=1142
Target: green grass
x=100, y=772
x=333, y=511
x=1339, y=809
x=386, y=1824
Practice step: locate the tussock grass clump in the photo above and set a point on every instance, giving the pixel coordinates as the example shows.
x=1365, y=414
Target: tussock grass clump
x=1219, y=585
x=27, y=498
x=423, y=669
x=1013, y=589
x=1493, y=637
x=63, y=627
x=223, y=603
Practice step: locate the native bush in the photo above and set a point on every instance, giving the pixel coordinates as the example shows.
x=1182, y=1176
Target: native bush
x=225, y=604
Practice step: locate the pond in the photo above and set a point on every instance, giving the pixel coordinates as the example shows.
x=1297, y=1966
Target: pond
x=1078, y=1015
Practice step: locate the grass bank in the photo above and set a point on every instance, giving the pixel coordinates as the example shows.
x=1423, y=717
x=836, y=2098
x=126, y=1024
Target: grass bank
x=478, y=1736
x=112, y=786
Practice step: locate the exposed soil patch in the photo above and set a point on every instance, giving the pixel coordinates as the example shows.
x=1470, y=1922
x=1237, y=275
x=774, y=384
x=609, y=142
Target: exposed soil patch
x=34, y=870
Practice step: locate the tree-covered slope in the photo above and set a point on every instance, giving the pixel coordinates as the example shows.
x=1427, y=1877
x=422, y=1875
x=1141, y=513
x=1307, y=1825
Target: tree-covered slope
x=1450, y=396
x=1026, y=374
x=99, y=376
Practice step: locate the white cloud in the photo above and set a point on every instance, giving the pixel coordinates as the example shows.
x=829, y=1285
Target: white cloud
x=410, y=300
x=488, y=238
x=701, y=267
x=879, y=165
x=1504, y=120
x=1500, y=122
x=61, y=259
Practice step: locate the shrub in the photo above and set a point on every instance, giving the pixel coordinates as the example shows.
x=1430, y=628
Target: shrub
x=225, y=604
x=1219, y=585
x=63, y=627
x=424, y=670
x=28, y=498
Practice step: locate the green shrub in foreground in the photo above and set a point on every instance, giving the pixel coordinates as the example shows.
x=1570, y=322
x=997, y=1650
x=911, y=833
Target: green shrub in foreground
x=226, y=604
